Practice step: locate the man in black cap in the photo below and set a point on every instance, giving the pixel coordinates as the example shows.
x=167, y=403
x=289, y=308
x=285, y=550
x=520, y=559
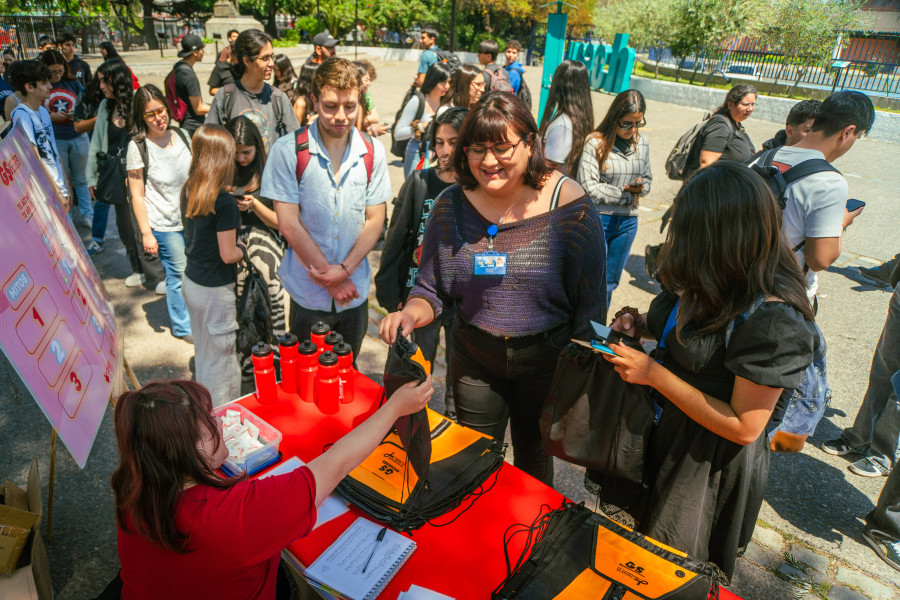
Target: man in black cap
x=324, y=44
x=187, y=86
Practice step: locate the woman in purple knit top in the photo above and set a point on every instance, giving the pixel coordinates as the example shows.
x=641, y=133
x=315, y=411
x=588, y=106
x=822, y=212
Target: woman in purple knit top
x=517, y=252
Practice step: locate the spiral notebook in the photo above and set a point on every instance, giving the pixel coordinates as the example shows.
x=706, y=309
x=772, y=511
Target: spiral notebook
x=339, y=570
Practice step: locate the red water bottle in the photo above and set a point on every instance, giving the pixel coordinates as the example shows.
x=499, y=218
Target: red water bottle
x=346, y=372
x=307, y=367
x=317, y=335
x=327, y=383
x=264, y=373
x=332, y=339
x=287, y=345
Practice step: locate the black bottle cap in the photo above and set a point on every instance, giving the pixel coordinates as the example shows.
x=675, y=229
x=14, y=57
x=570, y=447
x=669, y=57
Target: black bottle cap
x=342, y=348
x=328, y=358
x=320, y=328
x=333, y=338
x=287, y=340
x=307, y=347
x=261, y=349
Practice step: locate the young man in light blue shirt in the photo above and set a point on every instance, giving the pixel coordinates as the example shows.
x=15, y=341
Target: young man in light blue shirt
x=428, y=41
x=334, y=215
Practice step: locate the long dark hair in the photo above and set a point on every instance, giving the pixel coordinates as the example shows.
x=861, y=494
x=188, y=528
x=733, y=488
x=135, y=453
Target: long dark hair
x=436, y=74
x=453, y=117
x=142, y=98
x=111, y=51
x=734, y=96
x=118, y=77
x=725, y=248
x=246, y=133
x=304, y=88
x=287, y=76
x=157, y=430
x=487, y=121
x=570, y=94
x=54, y=57
x=249, y=44
x=458, y=94
x=627, y=102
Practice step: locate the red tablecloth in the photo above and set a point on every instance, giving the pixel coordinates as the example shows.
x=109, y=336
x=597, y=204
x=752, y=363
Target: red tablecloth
x=465, y=558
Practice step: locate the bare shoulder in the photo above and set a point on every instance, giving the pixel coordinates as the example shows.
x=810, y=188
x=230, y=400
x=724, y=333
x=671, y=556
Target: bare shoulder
x=570, y=191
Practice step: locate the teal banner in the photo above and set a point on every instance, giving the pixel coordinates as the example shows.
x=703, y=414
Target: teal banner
x=553, y=53
x=610, y=66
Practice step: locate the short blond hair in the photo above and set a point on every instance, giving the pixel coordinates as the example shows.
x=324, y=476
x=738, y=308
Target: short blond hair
x=338, y=73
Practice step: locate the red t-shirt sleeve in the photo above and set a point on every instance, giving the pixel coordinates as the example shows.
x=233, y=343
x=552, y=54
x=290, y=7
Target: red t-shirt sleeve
x=272, y=513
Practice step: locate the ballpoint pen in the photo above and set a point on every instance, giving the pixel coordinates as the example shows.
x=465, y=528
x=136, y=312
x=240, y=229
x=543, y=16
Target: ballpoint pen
x=377, y=540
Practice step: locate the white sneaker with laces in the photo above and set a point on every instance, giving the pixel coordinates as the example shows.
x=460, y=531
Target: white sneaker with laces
x=134, y=280
x=161, y=288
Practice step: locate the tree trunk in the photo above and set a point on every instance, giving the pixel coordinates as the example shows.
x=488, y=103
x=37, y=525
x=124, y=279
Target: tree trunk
x=777, y=77
x=149, y=29
x=678, y=70
x=800, y=74
x=696, y=68
x=659, y=51
x=271, y=23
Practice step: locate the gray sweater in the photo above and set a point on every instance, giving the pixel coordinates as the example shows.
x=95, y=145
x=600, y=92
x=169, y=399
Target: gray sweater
x=607, y=188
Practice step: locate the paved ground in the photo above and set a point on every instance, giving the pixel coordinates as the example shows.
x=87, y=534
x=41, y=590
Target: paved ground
x=814, y=506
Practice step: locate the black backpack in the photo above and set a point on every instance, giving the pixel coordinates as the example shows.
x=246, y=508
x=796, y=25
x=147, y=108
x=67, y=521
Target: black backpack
x=448, y=58
x=254, y=311
x=398, y=147
x=524, y=93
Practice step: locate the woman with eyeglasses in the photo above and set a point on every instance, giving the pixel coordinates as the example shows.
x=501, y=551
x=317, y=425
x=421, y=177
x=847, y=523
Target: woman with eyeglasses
x=615, y=172
x=723, y=136
x=267, y=107
x=466, y=88
x=427, y=100
x=158, y=161
x=516, y=250
x=568, y=116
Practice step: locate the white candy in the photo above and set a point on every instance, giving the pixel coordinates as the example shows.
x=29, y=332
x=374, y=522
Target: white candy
x=240, y=438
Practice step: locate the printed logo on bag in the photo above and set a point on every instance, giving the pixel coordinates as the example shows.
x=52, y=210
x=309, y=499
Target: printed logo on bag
x=9, y=168
x=634, y=572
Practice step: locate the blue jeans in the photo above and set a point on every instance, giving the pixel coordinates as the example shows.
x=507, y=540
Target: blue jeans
x=100, y=220
x=73, y=155
x=876, y=429
x=619, y=231
x=411, y=157
x=173, y=259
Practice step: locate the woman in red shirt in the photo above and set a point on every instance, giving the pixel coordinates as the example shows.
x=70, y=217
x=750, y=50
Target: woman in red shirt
x=185, y=531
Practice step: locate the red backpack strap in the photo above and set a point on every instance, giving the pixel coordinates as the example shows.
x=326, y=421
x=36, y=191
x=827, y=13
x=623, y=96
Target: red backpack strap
x=369, y=157
x=303, y=155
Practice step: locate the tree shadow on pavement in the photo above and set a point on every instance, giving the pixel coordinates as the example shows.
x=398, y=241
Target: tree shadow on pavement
x=815, y=497
x=634, y=266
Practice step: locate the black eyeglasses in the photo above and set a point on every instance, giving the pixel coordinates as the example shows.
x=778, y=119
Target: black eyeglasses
x=626, y=125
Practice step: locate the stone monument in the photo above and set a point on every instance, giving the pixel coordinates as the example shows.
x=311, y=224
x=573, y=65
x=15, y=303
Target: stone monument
x=225, y=18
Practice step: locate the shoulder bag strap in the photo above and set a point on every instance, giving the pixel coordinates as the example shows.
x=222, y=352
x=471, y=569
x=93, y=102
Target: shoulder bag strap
x=554, y=199
x=738, y=320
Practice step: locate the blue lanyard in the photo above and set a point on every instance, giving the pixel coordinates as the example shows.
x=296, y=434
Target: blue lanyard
x=670, y=325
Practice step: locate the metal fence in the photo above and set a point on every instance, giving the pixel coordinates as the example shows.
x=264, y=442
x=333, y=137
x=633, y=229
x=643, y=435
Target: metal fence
x=874, y=65
x=22, y=32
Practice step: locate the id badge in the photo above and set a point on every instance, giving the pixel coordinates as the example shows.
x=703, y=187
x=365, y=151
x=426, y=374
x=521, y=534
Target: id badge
x=490, y=263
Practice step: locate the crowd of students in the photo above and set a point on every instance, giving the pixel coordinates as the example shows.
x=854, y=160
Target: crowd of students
x=509, y=234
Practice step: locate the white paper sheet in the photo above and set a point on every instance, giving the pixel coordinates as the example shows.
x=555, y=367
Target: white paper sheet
x=332, y=507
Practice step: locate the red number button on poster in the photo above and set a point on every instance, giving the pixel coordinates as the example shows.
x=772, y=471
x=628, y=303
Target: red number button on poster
x=36, y=321
x=74, y=386
x=53, y=358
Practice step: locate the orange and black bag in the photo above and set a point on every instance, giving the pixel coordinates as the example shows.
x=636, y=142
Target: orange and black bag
x=573, y=553
x=461, y=460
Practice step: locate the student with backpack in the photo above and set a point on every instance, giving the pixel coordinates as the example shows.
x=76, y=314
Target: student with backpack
x=514, y=68
x=496, y=78
x=158, y=161
x=267, y=107
x=417, y=112
x=428, y=43
x=183, y=87
x=329, y=183
x=211, y=223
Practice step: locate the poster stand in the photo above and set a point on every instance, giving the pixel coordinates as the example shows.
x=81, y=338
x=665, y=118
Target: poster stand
x=53, y=435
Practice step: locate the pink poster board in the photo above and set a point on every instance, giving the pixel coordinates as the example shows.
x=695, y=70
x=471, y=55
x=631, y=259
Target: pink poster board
x=57, y=324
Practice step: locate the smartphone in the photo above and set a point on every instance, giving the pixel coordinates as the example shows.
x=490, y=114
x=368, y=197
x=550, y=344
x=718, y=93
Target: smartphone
x=238, y=192
x=853, y=204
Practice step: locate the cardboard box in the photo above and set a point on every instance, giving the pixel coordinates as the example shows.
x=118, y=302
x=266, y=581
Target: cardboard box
x=24, y=568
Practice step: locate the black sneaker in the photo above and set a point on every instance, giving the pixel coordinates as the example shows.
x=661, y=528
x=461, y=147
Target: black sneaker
x=888, y=552
x=837, y=447
x=876, y=276
x=869, y=467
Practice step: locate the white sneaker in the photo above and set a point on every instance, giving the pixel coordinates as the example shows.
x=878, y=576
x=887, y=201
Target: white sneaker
x=134, y=280
x=161, y=288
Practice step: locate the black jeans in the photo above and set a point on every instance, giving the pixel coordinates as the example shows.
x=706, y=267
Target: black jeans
x=498, y=380
x=351, y=324
x=428, y=338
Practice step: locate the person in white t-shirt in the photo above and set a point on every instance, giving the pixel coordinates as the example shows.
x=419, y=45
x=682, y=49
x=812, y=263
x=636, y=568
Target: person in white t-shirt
x=31, y=79
x=815, y=213
x=156, y=195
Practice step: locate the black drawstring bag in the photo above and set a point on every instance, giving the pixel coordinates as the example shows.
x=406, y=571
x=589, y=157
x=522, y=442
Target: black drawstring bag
x=594, y=418
x=572, y=552
x=405, y=363
x=111, y=187
x=254, y=310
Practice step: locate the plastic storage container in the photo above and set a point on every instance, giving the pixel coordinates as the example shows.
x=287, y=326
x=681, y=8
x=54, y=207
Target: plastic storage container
x=260, y=458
